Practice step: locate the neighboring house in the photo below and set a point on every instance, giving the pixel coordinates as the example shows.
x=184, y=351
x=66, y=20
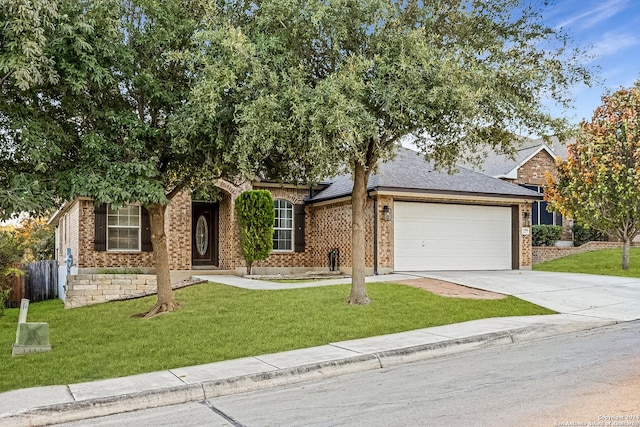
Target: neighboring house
x=417, y=219
x=528, y=168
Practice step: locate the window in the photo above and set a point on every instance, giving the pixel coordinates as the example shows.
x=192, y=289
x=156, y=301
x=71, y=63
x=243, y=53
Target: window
x=123, y=228
x=283, y=226
x=539, y=213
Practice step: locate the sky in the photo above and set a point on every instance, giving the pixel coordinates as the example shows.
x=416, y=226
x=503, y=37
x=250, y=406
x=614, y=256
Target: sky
x=610, y=31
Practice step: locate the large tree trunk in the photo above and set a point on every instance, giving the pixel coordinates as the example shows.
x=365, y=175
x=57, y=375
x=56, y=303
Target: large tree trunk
x=165, y=301
x=358, y=233
x=626, y=246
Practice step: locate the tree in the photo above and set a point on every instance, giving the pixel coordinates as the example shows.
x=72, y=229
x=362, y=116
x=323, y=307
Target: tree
x=106, y=126
x=599, y=183
x=37, y=239
x=255, y=214
x=317, y=88
x=25, y=32
x=9, y=254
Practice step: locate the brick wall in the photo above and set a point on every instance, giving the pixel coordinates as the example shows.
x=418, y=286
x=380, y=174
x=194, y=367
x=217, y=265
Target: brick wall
x=548, y=253
x=533, y=171
x=526, y=255
x=291, y=259
x=327, y=226
x=385, y=235
x=89, y=289
x=177, y=227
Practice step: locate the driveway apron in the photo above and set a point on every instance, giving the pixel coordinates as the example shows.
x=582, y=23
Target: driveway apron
x=602, y=297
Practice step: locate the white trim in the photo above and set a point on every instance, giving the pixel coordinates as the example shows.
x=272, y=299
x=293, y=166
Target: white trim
x=292, y=229
x=138, y=227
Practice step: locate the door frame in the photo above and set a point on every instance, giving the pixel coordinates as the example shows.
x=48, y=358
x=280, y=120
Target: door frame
x=214, y=233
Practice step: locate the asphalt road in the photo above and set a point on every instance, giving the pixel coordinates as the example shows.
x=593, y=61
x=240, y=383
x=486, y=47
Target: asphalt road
x=586, y=378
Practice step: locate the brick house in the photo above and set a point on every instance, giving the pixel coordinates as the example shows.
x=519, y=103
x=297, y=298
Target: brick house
x=528, y=168
x=417, y=219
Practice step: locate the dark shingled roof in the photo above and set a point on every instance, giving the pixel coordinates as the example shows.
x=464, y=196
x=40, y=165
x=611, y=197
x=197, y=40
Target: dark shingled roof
x=500, y=165
x=409, y=171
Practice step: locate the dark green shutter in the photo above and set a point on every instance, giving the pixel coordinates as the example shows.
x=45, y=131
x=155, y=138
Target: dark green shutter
x=298, y=224
x=100, y=219
x=145, y=233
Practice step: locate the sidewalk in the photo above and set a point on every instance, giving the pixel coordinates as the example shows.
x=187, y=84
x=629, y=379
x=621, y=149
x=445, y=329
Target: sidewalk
x=58, y=404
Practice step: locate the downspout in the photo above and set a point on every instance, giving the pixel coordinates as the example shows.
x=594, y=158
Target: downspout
x=375, y=235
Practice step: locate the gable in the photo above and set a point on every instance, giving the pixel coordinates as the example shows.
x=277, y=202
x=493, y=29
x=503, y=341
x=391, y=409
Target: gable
x=533, y=171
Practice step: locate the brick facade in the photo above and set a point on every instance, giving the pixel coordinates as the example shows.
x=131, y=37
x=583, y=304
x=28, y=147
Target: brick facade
x=534, y=170
x=327, y=226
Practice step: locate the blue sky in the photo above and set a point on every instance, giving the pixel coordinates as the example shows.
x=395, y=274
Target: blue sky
x=607, y=29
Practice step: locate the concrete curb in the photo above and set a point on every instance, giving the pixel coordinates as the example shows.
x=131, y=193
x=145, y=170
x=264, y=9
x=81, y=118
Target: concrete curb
x=98, y=407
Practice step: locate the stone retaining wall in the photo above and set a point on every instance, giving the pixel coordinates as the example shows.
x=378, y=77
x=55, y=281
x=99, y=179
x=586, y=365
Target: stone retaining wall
x=547, y=253
x=88, y=289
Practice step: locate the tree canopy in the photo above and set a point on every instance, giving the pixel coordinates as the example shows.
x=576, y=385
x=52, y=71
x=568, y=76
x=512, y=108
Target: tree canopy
x=316, y=88
x=599, y=183
x=94, y=111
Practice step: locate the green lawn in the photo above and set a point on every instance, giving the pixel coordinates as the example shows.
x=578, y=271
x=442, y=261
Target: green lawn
x=605, y=261
x=217, y=322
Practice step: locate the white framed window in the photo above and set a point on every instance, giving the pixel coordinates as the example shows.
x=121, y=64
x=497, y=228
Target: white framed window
x=123, y=228
x=283, y=225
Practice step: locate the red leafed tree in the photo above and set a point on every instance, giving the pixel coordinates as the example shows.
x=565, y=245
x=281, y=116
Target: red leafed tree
x=599, y=183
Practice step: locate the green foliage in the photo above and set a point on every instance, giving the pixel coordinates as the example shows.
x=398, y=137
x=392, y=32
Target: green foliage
x=582, y=234
x=103, y=341
x=10, y=253
x=37, y=239
x=599, y=183
x=545, y=235
x=304, y=90
x=605, y=262
x=343, y=84
x=112, y=123
x=255, y=214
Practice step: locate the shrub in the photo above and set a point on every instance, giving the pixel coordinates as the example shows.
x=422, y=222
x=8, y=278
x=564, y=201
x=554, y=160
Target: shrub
x=256, y=214
x=545, y=235
x=9, y=254
x=582, y=235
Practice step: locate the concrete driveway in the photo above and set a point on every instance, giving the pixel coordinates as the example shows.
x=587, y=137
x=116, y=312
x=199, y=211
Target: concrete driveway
x=601, y=297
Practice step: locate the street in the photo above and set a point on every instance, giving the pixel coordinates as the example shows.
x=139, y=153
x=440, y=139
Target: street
x=586, y=378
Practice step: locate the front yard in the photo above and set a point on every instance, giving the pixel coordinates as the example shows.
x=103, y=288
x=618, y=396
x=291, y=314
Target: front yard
x=217, y=322
x=606, y=261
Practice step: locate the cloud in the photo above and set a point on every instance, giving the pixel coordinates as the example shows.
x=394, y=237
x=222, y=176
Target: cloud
x=612, y=43
x=599, y=13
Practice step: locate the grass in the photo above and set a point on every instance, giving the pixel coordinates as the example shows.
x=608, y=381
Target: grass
x=217, y=322
x=301, y=280
x=605, y=261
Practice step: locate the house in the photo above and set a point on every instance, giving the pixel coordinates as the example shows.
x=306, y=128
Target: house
x=417, y=219
x=528, y=168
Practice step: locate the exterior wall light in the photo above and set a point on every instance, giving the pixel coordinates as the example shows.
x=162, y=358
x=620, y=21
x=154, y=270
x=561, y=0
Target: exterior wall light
x=526, y=219
x=386, y=210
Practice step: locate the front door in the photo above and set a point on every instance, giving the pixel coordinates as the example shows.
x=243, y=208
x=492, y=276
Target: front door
x=204, y=235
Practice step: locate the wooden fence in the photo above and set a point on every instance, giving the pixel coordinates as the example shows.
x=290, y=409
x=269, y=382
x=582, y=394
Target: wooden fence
x=38, y=283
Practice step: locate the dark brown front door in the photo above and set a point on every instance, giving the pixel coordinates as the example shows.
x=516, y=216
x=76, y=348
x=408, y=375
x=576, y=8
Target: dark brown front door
x=204, y=234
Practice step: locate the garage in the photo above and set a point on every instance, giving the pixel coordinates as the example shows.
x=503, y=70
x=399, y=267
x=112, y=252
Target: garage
x=440, y=236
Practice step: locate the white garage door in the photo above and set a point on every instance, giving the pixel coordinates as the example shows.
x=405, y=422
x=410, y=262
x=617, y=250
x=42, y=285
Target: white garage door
x=434, y=236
